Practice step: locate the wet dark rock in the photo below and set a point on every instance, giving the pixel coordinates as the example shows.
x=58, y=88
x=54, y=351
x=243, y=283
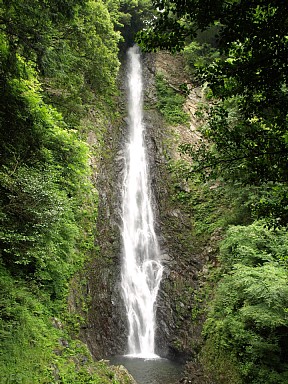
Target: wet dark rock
x=177, y=336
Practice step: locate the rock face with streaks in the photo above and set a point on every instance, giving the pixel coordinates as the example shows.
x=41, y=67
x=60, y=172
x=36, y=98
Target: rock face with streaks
x=177, y=335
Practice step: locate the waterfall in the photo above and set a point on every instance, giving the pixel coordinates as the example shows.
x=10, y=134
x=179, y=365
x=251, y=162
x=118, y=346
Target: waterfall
x=141, y=268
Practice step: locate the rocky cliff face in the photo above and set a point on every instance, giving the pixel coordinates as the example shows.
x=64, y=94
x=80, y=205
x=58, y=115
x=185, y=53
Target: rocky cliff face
x=178, y=332
x=178, y=335
x=105, y=330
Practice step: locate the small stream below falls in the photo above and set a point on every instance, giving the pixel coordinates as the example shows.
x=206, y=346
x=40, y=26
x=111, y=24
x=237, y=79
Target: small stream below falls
x=150, y=371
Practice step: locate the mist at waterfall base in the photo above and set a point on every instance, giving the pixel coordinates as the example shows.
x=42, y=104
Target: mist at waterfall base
x=141, y=271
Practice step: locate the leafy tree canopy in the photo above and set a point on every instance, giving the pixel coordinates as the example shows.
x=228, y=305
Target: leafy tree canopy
x=31, y=25
x=135, y=15
x=245, y=137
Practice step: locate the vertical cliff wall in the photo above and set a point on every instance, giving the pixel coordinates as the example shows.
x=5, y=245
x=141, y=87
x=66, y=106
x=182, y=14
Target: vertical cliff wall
x=177, y=333
x=105, y=331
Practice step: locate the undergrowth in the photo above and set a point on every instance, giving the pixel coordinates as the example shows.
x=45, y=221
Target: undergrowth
x=36, y=346
x=170, y=103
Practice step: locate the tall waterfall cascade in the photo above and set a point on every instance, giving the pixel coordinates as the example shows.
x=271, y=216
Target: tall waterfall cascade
x=141, y=267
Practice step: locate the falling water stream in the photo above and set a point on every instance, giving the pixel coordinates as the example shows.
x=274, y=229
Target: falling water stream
x=141, y=269
x=141, y=266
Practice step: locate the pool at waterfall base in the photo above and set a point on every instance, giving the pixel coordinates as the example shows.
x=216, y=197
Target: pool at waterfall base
x=150, y=371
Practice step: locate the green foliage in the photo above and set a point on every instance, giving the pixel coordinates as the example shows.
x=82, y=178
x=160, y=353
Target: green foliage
x=31, y=27
x=44, y=171
x=253, y=245
x=27, y=337
x=38, y=229
x=272, y=204
x=211, y=205
x=247, y=320
x=244, y=143
x=244, y=139
x=170, y=103
x=80, y=68
x=74, y=45
x=135, y=15
x=246, y=151
x=34, y=344
x=197, y=57
x=47, y=201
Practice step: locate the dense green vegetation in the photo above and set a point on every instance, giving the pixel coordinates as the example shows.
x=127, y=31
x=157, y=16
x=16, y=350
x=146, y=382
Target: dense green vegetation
x=245, y=135
x=58, y=68
x=246, y=328
x=242, y=64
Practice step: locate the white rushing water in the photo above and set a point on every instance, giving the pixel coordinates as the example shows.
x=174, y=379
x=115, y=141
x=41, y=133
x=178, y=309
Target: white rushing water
x=141, y=268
